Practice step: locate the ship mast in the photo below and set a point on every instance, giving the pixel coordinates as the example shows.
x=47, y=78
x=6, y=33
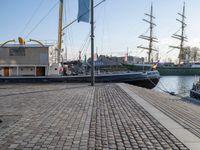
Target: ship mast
x=181, y=37
x=149, y=38
x=60, y=29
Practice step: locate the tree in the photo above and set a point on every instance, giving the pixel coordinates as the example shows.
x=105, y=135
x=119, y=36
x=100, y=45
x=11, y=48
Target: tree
x=195, y=53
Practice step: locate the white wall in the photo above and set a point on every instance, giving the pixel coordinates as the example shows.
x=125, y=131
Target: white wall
x=26, y=71
x=13, y=71
x=33, y=56
x=54, y=69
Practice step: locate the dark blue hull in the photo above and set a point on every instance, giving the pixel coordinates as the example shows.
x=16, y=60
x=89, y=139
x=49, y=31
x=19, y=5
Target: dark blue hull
x=147, y=80
x=195, y=94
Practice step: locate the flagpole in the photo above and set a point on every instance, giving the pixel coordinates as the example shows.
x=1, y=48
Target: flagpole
x=92, y=42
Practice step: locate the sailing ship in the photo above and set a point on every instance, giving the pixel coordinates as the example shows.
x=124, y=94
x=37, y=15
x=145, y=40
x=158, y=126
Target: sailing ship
x=148, y=79
x=183, y=67
x=151, y=39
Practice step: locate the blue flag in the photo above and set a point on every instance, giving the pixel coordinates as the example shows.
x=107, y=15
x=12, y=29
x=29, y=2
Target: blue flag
x=83, y=10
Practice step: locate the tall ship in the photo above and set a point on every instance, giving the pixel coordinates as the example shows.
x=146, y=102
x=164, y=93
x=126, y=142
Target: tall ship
x=184, y=67
x=43, y=63
x=151, y=39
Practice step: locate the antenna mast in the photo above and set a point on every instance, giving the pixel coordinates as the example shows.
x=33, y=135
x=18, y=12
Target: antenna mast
x=181, y=37
x=149, y=38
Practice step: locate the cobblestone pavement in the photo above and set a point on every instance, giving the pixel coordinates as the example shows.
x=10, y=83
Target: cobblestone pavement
x=186, y=113
x=53, y=116
x=63, y=116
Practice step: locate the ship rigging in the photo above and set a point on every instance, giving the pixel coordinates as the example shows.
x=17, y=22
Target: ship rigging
x=181, y=37
x=149, y=38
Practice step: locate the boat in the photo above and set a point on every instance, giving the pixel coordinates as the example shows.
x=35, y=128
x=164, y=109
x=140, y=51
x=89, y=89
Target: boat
x=151, y=39
x=183, y=68
x=148, y=79
x=195, y=91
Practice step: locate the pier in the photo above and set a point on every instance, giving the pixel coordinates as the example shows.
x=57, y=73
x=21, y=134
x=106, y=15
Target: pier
x=65, y=116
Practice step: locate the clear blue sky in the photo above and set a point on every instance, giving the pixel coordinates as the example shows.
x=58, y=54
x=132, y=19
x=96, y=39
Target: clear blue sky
x=118, y=24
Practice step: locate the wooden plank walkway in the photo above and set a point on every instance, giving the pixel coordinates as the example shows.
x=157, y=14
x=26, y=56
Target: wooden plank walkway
x=78, y=116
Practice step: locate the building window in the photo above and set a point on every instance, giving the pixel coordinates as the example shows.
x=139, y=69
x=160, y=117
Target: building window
x=17, y=51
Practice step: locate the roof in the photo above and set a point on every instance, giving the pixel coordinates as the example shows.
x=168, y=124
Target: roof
x=27, y=45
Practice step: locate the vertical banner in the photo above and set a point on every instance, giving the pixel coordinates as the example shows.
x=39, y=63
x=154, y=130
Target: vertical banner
x=83, y=10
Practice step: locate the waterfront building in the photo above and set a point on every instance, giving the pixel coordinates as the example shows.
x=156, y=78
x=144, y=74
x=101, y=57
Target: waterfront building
x=28, y=60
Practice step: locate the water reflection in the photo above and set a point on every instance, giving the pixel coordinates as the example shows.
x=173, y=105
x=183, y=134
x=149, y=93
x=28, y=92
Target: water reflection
x=179, y=84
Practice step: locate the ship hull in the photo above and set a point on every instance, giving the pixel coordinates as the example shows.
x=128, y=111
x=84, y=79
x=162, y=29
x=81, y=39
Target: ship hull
x=195, y=94
x=145, y=83
x=180, y=71
x=147, y=80
x=168, y=71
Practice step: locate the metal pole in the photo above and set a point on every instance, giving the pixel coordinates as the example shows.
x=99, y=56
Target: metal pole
x=92, y=42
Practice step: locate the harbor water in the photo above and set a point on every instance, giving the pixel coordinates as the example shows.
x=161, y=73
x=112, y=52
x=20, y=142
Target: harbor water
x=180, y=85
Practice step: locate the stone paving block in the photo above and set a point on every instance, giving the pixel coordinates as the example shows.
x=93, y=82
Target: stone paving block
x=78, y=116
x=13, y=146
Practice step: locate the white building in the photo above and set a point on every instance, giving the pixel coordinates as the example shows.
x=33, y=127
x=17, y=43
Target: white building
x=29, y=60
